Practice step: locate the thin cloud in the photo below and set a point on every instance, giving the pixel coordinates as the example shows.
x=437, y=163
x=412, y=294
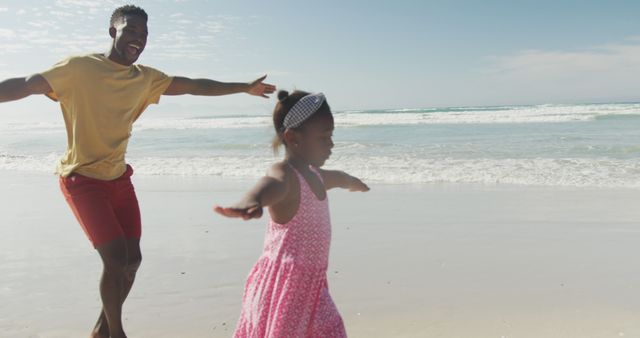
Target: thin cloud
x=7, y=33
x=61, y=28
x=273, y=72
x=606, y=71
x=181, y=43
x=85, y=3
x=61, y=14
x=12, y=48
x=58, y=29
x=44, y=24
x=552, y=64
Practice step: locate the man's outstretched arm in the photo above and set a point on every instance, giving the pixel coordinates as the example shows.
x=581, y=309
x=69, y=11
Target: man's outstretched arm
x=206, y=87
x=19, y=88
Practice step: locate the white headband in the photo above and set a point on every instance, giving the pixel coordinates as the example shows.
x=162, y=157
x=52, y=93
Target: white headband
x=303, y=110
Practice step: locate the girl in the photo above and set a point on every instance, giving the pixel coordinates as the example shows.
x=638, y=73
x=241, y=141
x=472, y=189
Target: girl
x=286, y=293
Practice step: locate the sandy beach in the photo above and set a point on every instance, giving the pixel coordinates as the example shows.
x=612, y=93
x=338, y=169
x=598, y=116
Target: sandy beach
x=438, y=260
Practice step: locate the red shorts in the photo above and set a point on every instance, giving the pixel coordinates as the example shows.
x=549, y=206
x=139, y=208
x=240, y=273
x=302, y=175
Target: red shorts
x=106, y=210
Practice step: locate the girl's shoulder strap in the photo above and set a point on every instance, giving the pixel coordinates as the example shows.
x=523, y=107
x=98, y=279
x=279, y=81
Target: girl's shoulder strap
x=317, y=172
x=313, y=169
x=293, y=169
x=301, y=178
x=297, y=175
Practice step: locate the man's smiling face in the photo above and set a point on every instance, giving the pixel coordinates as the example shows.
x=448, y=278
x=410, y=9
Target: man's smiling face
x=129, y=39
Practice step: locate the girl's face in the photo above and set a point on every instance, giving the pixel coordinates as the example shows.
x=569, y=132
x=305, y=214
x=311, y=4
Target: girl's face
x=315, y=139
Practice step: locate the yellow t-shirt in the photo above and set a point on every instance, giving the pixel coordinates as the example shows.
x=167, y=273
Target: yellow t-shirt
x=100, y=100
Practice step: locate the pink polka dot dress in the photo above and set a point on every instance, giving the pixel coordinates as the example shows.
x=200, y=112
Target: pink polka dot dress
x=286, y=294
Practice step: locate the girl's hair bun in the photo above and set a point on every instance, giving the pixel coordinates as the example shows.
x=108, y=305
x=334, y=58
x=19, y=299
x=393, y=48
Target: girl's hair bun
x=282, y=95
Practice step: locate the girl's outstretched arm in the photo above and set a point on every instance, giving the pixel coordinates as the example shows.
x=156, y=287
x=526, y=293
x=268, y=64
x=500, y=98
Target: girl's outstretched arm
x=268, y=191
x=340, y=179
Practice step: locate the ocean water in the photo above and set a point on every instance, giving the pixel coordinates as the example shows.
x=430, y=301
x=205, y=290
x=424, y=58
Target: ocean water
x=584, y=145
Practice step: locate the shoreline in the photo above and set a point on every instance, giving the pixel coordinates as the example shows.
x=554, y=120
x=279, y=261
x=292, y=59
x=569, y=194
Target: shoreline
x=443, y=260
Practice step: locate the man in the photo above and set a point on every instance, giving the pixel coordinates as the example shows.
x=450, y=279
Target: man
x=101, y=95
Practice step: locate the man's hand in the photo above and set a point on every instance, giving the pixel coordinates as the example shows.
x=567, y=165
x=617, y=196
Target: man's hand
x=258, y=88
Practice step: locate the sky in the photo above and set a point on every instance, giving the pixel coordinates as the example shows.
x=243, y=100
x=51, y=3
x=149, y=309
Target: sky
x=361, y=54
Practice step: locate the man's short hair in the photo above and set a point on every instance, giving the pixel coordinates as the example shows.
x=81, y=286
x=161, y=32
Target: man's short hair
x=123, y=11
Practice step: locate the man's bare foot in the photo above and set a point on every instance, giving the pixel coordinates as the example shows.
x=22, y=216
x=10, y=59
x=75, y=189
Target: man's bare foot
x=119, y=335
x=101, y=329
x=97, y=334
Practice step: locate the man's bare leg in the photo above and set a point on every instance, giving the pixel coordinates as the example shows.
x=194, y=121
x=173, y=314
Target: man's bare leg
x=134, y=258
x=114, y=259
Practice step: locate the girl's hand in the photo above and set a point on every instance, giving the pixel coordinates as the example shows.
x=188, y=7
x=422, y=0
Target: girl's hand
x=244, y=211
x=355, y=184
